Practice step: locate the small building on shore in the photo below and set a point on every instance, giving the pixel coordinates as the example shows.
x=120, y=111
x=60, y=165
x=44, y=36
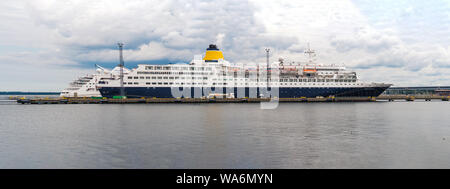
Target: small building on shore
x=425, y=90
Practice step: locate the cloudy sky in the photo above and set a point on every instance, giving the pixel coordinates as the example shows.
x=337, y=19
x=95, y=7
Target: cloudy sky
x=45, y=44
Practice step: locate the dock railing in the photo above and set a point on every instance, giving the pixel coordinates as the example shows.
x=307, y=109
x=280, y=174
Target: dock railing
x=104, y=100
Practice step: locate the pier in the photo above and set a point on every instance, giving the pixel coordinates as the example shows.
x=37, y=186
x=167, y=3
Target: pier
x=87, y=100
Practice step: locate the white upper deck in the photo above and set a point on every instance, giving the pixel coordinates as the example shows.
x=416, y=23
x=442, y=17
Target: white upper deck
x=217, y=72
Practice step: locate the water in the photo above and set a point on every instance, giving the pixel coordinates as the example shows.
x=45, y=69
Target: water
x=295, y=135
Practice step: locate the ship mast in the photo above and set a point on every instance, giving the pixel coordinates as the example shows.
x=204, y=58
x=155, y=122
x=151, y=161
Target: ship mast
x=311, y=53
x=121, y=64
x=267, y=68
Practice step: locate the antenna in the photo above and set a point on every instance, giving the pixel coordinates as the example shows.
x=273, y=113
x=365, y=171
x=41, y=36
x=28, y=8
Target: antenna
x=311, y=53
x=267, y=68
x=267, y=57
x=121, y=64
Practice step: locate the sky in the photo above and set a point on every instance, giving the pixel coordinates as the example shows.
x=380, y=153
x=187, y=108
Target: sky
x=45, y=44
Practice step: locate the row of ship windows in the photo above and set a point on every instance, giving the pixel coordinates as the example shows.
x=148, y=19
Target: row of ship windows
x=204, y=73
x=281, y=80
x=176, y=73
x=204, y=78
x=317, y=80
x=177, y=68
x=201, y=68
x=327, y=73
x=246, y=75
x=171, y=83
x=191, y=73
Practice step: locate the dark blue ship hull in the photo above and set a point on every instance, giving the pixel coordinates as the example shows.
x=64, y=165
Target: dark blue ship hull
x=288, y=92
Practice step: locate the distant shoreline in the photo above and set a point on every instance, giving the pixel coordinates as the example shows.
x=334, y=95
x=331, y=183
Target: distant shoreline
x=27, y=93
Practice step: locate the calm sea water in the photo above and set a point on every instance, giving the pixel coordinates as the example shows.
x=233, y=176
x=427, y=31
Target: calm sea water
x=295, y=135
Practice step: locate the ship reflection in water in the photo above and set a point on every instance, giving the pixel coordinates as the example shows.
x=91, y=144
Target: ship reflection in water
x=316, y=135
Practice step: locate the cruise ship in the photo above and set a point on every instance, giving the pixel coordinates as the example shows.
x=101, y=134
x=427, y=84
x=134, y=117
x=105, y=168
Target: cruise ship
x=213, y=76
x=86, y=86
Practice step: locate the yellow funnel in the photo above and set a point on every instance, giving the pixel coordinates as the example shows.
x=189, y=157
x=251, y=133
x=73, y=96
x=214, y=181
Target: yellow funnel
x=213, y=54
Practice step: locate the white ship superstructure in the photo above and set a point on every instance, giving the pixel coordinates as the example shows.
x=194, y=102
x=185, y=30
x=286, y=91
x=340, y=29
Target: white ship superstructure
x=86, y=86
x=216, y=75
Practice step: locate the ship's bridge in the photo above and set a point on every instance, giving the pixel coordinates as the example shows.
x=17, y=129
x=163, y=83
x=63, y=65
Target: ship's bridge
x=213, y=54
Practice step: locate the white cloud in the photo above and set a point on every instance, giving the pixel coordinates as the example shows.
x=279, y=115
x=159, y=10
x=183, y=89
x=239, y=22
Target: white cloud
x=367, y=39
x=150, y=51
x=219, y=39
